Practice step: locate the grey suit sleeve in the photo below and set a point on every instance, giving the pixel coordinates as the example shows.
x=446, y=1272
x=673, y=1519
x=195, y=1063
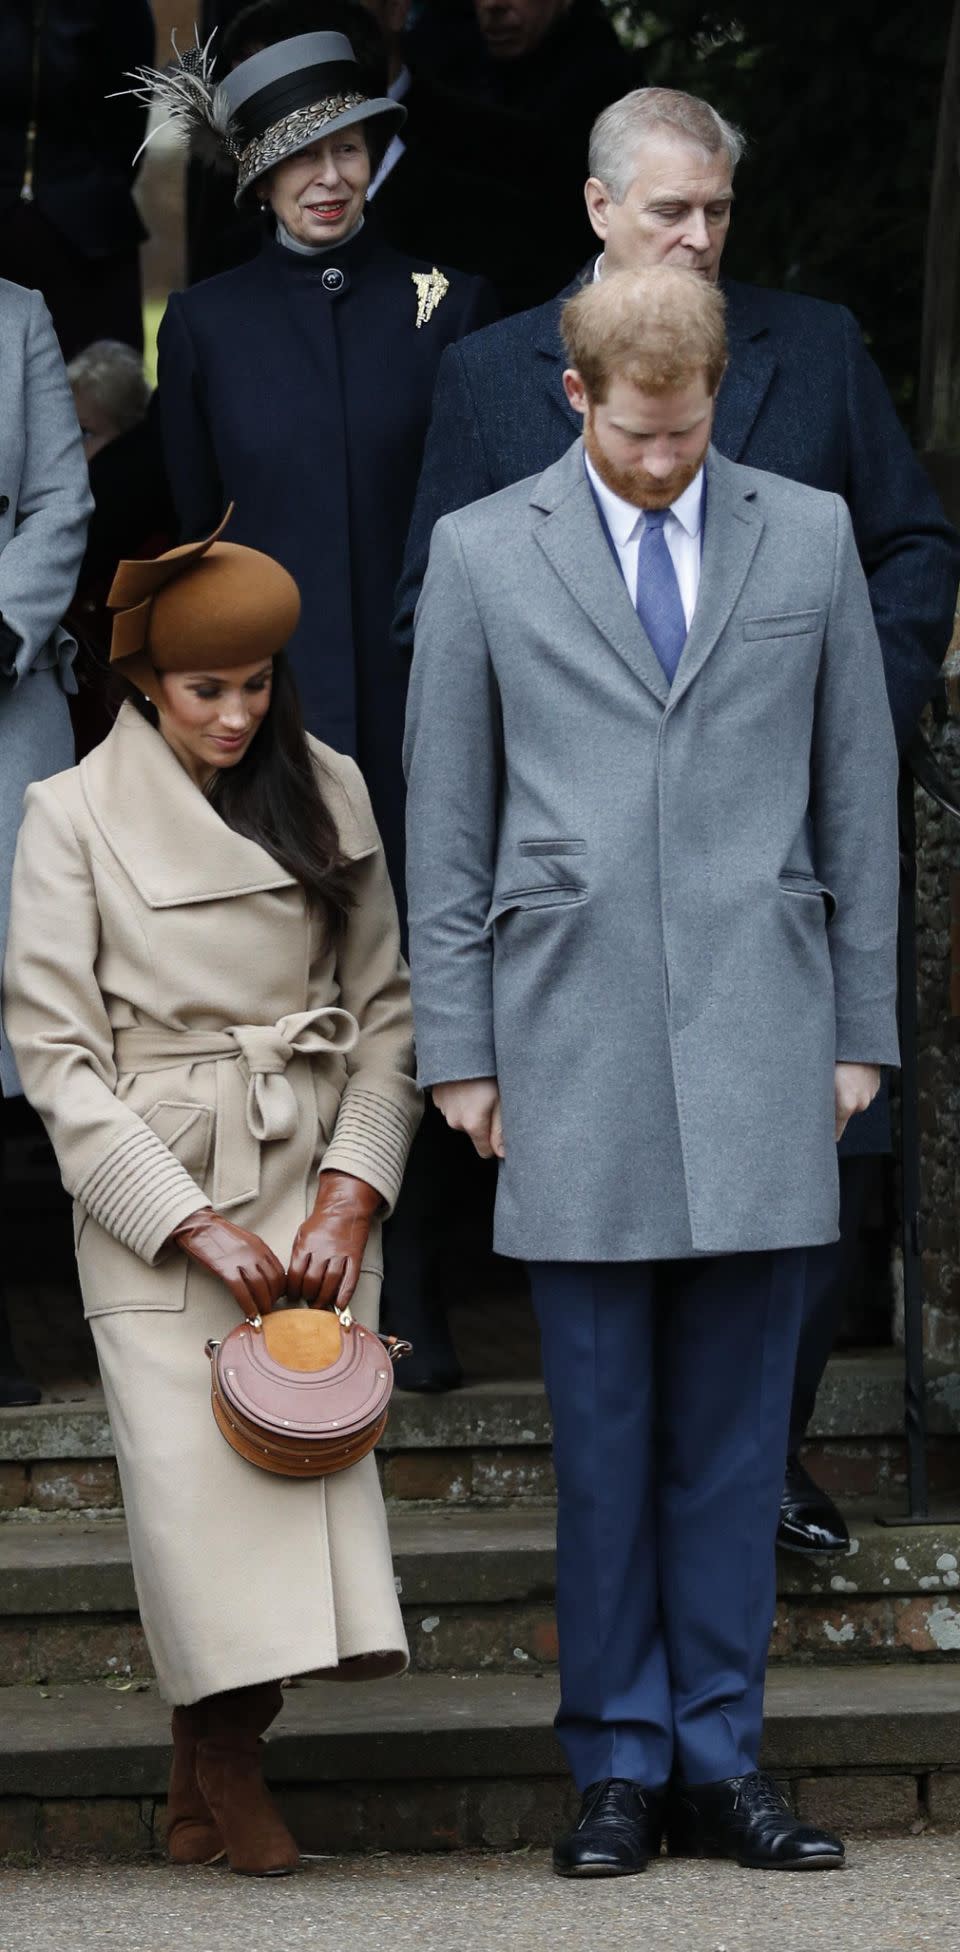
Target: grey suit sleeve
x=40, y=563
x=455, y=471
x=854, y=809
x=452, y=758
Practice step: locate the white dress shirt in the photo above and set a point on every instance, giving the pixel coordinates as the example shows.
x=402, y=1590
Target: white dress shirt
x=397, y=90
x=682, y=534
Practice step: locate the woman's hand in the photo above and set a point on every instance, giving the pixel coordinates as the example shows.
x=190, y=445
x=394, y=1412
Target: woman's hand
x=855, y=1086
x=329, y=1248
x=242, y=1261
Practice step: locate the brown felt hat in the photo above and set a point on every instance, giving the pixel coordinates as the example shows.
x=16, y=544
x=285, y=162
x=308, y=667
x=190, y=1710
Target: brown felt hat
x=207, y=606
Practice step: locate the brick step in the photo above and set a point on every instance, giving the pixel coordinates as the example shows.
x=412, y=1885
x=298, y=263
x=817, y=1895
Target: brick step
x=477, y=1593
x=488, y=1444
x=436, y=1763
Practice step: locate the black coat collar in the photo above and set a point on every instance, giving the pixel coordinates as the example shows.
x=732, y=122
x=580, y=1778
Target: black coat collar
x=350, y=257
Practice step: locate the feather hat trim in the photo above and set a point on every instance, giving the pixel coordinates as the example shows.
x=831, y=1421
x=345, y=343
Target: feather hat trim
x=186, y=96
x=268, y=107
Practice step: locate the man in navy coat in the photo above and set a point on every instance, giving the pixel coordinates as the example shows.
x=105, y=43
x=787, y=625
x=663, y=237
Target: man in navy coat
x=801, y=398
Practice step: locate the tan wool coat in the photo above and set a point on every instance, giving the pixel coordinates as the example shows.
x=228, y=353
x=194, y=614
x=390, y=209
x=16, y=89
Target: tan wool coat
x=176, y=1012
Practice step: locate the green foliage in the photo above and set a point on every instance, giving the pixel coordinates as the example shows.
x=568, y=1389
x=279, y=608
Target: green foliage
x=839, y=103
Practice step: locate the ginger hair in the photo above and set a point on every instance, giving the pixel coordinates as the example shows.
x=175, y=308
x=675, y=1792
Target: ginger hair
x=657, y=328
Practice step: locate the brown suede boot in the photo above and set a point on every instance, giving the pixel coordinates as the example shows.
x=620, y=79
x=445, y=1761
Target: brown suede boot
x=192, y=1834
x=230, y=1778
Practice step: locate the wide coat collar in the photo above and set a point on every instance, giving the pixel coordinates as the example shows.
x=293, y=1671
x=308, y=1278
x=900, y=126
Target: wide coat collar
x=164, y=832
x=572, y=538
x=745, y=385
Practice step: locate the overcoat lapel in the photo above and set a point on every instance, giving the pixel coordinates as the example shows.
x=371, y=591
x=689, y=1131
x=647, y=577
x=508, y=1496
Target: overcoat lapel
x=748, y=377
x=572, y=538
x=731, y=532
x=167, y=837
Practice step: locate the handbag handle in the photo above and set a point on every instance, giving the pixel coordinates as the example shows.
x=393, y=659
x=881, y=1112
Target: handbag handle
x=343, y=1315
x=396, y=1346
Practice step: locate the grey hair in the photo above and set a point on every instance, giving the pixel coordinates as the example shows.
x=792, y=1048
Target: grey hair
x=113, y=375
x=618, y=131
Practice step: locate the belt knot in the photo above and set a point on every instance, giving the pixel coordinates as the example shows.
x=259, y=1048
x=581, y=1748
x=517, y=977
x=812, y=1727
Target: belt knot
x=267, y=1049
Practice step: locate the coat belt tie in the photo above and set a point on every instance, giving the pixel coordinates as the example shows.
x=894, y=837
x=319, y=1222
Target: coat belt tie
x=256, y=1102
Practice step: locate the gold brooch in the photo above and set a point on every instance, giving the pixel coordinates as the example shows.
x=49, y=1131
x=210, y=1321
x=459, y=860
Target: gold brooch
x=432, y=286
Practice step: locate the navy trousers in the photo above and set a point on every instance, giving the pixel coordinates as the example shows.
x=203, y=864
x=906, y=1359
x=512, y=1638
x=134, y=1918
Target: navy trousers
x=669, y=1386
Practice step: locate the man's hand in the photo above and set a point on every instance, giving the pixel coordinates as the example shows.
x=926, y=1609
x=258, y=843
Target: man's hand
x=472, y=1105
x=855, y=1087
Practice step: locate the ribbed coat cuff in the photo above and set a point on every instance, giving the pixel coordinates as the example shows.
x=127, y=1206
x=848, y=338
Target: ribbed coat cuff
x=373, y=1136
x=139, y=1192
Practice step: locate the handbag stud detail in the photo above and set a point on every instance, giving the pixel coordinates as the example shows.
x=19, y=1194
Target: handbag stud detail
x=305, y=1391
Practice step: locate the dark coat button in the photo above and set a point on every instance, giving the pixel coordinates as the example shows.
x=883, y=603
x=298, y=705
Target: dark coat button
x=4, y=504
x=332, y=279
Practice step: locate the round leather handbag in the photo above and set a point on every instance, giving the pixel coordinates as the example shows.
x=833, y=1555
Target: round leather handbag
x=303, y=1392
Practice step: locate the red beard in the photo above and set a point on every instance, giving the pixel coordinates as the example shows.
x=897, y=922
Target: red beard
x=634, y=485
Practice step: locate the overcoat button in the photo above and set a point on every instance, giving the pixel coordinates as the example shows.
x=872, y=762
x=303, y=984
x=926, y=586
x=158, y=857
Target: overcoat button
x=4, y=504
x=332, y=279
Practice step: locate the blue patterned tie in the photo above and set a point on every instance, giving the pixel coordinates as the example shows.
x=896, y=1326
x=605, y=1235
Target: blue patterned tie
x=658, y=593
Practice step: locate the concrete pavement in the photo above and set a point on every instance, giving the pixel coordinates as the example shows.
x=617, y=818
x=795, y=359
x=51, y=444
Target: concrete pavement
x=897, y=1896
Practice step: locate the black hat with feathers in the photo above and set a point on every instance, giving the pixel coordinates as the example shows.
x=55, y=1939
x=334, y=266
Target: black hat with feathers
x=277, y=102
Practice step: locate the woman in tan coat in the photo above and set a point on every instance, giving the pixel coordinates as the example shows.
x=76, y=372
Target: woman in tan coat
x=206, y=999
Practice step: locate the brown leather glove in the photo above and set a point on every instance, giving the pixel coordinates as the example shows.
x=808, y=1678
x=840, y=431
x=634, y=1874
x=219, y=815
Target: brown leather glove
x=242, y=1261
x=329, y=1247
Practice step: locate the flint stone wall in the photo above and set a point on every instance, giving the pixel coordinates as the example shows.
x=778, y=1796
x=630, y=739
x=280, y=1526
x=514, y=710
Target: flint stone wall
x=938, y=952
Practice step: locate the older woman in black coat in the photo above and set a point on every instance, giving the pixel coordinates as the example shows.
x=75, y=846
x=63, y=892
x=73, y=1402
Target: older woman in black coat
x=299, y=387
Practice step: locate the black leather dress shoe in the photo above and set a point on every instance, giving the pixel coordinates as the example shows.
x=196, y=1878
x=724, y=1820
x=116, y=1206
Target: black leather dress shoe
x=747, y=1818
x=616, y=1834
x=809, y=1520
x=429, y=1371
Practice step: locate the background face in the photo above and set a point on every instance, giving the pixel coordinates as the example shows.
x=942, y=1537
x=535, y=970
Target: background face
x=96, y=424
x=515, y=27
x=676, y=211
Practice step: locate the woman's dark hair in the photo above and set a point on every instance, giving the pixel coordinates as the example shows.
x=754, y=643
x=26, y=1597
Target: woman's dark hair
x=272, y=797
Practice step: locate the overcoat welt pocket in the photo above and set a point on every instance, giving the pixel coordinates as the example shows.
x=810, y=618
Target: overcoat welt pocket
x=549, y=847
x=807, y=887
x=789, y=623
x=187, y=1130
x=528, y=899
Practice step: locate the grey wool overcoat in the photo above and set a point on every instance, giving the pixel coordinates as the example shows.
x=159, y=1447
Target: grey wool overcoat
x=45, y=504
x=658, y=914
x=191, y=1035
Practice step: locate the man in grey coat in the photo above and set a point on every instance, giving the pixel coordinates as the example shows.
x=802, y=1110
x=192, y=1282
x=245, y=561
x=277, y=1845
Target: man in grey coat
x=45, y=504
x=653, y=890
